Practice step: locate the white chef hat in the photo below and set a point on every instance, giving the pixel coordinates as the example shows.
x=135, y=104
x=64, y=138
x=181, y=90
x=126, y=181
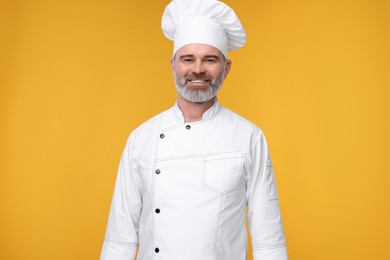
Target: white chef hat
x=203, y=21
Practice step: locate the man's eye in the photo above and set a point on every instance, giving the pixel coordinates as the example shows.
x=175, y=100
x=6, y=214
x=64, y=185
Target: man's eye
x=210, y=60
x=187, y=60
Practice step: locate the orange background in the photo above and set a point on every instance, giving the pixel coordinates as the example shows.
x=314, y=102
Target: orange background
x=77, y=76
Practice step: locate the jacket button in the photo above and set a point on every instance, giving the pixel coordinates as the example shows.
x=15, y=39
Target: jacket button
x=162, y=136
x=158, y=171
x=157, y=210
x=156, y=250
x=188, y=127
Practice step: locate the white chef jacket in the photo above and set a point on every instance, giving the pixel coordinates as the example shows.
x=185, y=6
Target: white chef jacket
x=182, y=190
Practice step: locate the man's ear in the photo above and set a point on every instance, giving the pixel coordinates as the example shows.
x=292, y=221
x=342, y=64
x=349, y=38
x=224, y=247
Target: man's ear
x=172, y=65
x=171, y=61
x=227, y=67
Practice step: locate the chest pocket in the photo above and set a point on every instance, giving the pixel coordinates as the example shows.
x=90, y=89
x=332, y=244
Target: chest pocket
x=222, y=173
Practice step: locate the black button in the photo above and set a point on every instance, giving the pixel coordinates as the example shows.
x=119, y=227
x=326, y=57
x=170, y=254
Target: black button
x=156, y=250
x=157, y=211
x=162, y=136
x=158, y=171
x=188, y=127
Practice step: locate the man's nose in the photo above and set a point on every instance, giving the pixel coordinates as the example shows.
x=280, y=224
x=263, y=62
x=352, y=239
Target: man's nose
x=198, y=67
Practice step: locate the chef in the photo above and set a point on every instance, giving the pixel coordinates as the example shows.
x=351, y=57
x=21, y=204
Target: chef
x=190, y=176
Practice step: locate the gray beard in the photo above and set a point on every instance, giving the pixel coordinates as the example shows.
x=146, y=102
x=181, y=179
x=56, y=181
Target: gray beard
x=199, y=96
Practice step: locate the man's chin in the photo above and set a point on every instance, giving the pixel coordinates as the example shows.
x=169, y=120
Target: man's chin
x=197, y=96
x=200, y=100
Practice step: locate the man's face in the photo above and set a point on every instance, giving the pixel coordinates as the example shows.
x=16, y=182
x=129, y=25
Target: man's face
x=199, y=71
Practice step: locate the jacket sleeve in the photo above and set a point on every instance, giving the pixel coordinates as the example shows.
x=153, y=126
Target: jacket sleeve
x=121, y=239
x=264, y=217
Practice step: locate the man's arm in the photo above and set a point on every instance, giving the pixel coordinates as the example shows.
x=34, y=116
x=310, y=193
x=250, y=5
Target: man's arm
x=265, y=222
x=121, y=240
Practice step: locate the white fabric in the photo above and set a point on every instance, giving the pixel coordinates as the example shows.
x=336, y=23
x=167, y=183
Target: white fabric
x=208, y=172
x=203, y=21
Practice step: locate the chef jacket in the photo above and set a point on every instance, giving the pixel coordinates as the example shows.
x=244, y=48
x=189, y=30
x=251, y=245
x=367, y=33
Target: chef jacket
x=182, y=190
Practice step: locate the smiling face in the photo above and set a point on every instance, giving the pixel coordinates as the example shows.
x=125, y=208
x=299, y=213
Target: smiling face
x=199, y=71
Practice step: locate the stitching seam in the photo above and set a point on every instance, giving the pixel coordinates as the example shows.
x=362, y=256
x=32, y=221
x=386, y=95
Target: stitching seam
x=234, y=154
x=120, y=244
x=269, y=247
x=217, y=229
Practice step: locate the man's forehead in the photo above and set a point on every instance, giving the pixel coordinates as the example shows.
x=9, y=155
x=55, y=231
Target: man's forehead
x=198, y=49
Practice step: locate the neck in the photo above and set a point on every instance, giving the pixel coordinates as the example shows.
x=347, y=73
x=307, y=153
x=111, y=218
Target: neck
x=193, y=112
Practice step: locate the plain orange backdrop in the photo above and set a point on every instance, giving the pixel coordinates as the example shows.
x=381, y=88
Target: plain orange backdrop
x=77, y=76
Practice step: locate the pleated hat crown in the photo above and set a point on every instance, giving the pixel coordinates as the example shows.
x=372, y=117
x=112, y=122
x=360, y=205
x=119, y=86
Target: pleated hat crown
x=203, y=21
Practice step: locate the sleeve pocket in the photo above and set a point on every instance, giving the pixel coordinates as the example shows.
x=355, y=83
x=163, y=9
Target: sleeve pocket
x=270, y=181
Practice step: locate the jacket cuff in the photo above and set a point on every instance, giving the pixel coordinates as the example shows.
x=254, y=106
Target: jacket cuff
x=114, y=251
x=277, y=253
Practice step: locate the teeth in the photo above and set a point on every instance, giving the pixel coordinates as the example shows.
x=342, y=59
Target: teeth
x=198, y=81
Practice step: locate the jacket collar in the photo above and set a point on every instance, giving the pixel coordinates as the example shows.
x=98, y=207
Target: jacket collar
x=210, y=113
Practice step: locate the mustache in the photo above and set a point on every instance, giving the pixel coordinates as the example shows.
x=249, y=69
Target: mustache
x=197, y=78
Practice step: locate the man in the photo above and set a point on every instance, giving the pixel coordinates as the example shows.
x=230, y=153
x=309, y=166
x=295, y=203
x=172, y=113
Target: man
x=187, y=175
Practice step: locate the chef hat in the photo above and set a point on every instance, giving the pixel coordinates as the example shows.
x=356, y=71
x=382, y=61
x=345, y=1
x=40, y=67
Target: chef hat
x=203, y=21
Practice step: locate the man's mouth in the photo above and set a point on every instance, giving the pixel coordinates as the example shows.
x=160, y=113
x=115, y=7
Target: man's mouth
x=197, y=80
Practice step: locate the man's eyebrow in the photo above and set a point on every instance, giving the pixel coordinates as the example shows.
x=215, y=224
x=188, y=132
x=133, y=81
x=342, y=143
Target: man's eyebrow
x=212, y=56
x=184, y=56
